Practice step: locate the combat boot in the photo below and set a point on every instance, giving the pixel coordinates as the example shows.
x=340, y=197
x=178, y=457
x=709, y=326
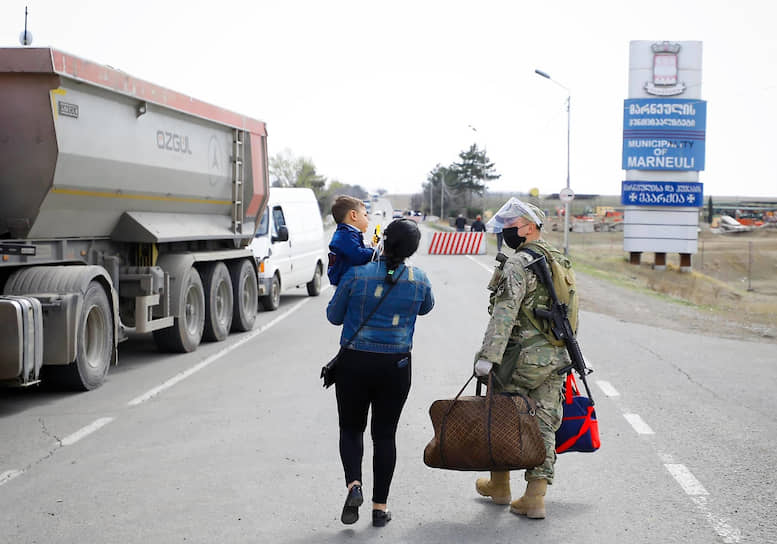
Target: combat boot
x=532, y=504
x=498, y=487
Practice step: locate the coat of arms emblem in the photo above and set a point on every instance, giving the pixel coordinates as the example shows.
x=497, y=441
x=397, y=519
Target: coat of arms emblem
x=664, y=70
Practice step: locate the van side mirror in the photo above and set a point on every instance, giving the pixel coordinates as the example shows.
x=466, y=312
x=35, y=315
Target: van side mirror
x=283, y=235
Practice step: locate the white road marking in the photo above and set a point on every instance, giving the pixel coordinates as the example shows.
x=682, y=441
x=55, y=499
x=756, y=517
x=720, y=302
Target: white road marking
x=71, y=439
x=9, y=475
x=215, y=357
x=687, y=481
x=698, y=494
x=729, y=533
x=639, y=425
x=489, y=269
x=607, y=388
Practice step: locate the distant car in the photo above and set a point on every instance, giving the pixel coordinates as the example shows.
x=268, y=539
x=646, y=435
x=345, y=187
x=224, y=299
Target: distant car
x=413, y=216
x=397, y=214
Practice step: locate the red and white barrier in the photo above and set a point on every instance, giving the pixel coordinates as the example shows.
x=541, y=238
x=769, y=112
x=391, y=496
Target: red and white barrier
x=458, y=243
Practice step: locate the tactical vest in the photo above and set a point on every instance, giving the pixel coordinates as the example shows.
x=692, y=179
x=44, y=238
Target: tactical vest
x=563, y=284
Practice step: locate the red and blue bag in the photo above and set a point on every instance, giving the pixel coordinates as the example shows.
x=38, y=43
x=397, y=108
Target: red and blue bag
x=579, y=429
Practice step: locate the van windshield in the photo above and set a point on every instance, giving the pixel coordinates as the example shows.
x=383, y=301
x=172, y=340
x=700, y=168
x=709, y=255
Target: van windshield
x=264, y=222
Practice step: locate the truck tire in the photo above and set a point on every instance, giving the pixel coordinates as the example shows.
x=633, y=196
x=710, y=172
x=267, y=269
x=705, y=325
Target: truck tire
x=95, y=344
x=217, y=285
x=314, y=285
x=185, y=334
x=273, y=300
x=245, y=293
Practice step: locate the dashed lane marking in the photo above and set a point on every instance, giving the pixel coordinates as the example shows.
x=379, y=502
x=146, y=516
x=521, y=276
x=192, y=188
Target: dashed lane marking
x=638, y=423
x=697, y=493
x=215, y=357
x=729, y=533
x=607, y=388
x=687, y=481
x=97, y=424
x=9, y=475
x=489, y=269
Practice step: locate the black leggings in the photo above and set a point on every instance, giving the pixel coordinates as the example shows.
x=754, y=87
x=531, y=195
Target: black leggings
x=380, y=380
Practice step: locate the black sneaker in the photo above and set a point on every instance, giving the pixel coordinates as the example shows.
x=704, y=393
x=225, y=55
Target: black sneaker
x=380, y=518
x=352, y=503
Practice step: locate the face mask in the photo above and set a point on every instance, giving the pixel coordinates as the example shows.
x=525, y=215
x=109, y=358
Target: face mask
x=511, y=238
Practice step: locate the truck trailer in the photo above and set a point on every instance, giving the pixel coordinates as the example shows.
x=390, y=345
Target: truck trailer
x=124, y=207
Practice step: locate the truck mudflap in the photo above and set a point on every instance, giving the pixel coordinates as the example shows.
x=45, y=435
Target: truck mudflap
x=21, y=347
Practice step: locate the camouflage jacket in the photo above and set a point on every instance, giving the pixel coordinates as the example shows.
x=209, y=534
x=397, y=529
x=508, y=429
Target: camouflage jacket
x=510, y=340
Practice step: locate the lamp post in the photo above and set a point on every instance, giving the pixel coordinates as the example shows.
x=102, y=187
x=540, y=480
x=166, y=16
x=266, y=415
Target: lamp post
x=566, y=204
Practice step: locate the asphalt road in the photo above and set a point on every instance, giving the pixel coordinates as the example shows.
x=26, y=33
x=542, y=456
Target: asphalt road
x=237, y=442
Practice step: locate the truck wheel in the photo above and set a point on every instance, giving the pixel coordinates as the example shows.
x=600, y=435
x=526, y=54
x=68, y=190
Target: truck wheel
x=186, y=332
x=245, y=292
x=95, y=344
x=314, y=285
x=273, y=300
x=217, y=284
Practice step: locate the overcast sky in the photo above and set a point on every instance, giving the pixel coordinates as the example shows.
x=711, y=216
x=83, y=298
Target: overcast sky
x=377, y=94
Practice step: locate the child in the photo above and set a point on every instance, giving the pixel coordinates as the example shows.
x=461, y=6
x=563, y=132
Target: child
x=346, y=248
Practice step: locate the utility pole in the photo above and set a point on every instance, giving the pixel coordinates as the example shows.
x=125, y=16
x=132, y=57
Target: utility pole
x=442, y=196
x=566, y=203
x=431, y=197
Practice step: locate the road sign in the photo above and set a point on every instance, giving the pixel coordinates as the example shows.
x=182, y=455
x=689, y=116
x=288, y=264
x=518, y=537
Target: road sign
x=566, y=195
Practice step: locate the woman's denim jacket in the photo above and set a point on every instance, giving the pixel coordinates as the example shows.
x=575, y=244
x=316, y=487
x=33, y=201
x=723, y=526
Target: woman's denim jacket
x=390, y=329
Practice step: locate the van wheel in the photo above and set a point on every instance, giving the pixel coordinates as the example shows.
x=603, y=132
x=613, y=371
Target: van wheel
x=314, y=285
x=245, y=293
x=273, y=300
x=95, y=343
x=186, y=332
x=217, y=285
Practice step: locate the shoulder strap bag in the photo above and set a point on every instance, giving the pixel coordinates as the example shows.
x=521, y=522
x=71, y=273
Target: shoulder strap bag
x=329, y=370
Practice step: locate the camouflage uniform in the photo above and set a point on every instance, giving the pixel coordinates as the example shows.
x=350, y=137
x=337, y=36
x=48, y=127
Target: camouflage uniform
x=524, y=361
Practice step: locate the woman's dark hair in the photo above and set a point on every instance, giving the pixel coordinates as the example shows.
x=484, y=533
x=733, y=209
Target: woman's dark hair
x=400, y=241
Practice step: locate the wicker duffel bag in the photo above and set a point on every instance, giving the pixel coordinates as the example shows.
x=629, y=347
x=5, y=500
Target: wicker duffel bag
x=497, y=432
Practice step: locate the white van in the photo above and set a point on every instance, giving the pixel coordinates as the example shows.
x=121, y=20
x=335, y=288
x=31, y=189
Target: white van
x=289, y=246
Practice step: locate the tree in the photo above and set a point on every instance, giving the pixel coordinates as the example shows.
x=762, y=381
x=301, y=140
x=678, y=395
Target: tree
x=446, y=193
x=307, y=177
x=284, y=169
x=474, y=170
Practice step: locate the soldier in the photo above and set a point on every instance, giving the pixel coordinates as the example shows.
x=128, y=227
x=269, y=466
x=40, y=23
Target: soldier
x=518, y=350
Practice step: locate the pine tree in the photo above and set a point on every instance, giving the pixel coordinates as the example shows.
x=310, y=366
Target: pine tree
x=474, y=170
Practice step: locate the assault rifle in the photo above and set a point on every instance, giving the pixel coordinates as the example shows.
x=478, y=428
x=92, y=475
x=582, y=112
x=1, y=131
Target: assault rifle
x=557, y=317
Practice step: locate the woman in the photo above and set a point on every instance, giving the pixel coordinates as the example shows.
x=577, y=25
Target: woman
x=374, y=369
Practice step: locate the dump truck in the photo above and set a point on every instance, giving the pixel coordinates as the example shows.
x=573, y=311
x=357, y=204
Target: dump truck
x=125, y=208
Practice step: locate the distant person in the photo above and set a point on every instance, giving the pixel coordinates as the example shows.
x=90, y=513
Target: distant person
x=346, y=249
x=374, y=370
x=461, y=222
x=478, y=225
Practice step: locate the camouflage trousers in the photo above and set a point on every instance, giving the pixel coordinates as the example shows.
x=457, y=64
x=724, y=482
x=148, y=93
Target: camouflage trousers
x=540, y=382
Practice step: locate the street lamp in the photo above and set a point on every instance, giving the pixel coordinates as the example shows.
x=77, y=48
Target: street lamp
x=566, y=204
